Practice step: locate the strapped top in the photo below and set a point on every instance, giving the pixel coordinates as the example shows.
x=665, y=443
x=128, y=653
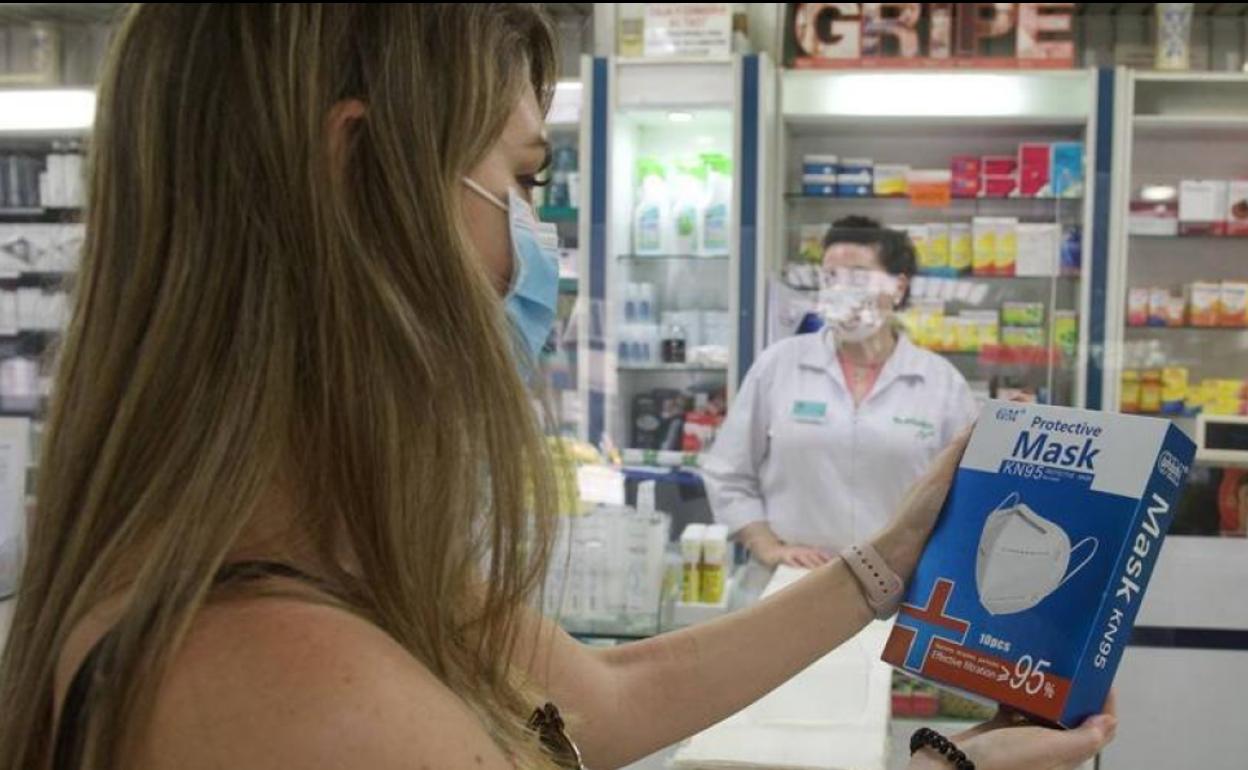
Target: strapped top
x=71, y=732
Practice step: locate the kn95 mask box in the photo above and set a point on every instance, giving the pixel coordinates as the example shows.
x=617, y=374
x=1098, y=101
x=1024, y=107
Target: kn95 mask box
x=1031, y=581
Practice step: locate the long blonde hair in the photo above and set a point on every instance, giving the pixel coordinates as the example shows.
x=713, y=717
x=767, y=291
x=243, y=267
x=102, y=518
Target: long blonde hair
x=253, y=307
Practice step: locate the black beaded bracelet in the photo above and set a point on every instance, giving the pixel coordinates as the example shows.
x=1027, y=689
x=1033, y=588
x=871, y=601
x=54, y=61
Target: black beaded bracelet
x=929, y=738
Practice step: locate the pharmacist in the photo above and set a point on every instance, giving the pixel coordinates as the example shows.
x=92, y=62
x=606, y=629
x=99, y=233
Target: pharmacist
x=829, y=429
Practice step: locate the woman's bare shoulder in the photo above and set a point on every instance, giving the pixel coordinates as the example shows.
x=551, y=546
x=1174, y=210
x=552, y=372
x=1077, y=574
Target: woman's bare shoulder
x=279, y=682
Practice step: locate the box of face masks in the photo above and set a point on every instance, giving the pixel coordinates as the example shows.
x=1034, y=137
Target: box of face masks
x=1030, y=584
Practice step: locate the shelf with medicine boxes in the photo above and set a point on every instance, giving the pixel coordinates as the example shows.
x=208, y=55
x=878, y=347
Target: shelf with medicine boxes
x=993, y=199
x=40, y=215
x=41, y=175
x=691, y=368
x=691, y=258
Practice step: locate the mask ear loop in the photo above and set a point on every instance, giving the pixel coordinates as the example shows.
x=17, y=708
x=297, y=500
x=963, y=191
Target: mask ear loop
x=476, y=187
x=1011, y=500
x=1083, y=563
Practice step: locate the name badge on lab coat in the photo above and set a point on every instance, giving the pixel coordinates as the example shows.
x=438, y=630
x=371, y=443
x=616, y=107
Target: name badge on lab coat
x=810, y=411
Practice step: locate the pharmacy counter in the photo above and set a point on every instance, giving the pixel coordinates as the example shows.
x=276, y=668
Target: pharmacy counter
x=836, y=714
x=833, y=714
x=1182, y=681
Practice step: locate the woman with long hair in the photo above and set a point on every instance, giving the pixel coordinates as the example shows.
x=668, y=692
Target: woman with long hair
x=294, y=500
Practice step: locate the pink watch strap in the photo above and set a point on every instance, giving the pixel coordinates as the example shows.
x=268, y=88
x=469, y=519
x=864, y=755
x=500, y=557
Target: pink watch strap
x=882, y=587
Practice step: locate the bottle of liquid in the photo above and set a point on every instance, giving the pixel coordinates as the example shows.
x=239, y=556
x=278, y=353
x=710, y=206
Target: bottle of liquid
x=714, y=564
x=631, y=296
x=691, y=563
x=688, y=208
x=645, y=304
x=717, y=214
x=674, y=345
x=652, y=216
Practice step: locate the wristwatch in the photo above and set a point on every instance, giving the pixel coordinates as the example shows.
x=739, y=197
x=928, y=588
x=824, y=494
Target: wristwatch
x=881, y=586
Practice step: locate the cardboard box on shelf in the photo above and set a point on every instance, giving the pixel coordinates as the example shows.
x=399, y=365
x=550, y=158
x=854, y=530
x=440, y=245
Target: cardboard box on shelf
x=810, y=248
x=922, y=247
x=819, y=185
x=854, y=184
x=1202, y=207
x=999, y=165
x=984, y=248
x=1022, y=336
x=999, y=186
x=1066, y=331
x=1066, y=172
x=1006, y=260
x=1138, y=301
x=819, y=165
x=961, y=248
x=1153, y=218
x=1233, y=307
x=1015, y=313
x=1237, y=207
x=1034, y=161
x=1176, y=311
x=938, y=246
x=1054, y=521
x=1158, y=303
x=1206, y=303
x=1039, y=245
x=890, y=180
x=965, y=174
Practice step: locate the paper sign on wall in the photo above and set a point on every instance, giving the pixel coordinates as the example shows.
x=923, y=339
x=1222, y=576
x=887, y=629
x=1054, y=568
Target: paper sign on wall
x=688, y=30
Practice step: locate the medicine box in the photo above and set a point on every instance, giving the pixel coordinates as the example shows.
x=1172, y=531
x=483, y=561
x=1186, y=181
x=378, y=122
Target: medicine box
x=999, y=186
x=819, y=185
x=1237, y=207
x=857, y=184
x=890, y=180
x=965, y=174
x=1030, y=584
x=1233, y=304
x=1038, y=248
x=1034, y=159
x=999, y=165
x=1202, y=207
x=1006, y=259
x=819, y=165
x=1153, y=218
x=1137, y=305
x=1206, y=303
x=1066, y=170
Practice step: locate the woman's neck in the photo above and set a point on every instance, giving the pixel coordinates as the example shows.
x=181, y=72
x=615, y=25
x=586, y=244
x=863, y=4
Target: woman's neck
x=873, y=351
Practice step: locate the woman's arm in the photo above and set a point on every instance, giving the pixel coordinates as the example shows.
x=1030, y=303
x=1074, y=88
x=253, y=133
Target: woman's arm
x=628, y=701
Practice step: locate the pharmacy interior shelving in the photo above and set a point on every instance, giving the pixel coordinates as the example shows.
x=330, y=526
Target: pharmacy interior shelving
x=1170, y=128
x=669, y=303
x=1175, y=127
x=43, y=134
x=560, y=203
x=924, y=120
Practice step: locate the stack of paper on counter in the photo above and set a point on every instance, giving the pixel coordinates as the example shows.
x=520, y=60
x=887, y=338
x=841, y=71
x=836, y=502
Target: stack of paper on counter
x=832, y=716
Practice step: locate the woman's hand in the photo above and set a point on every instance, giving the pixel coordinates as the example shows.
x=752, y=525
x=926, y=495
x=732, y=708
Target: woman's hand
x=902, y=542
x=795, y=556
x=1004, y=744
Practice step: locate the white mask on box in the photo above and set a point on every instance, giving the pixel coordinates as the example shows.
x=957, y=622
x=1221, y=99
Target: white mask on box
x=1023, y=557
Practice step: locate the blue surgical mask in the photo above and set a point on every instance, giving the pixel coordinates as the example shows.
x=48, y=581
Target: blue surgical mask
x=532, y=300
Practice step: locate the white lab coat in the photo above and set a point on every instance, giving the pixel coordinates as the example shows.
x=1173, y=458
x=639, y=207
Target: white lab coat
x=796, y=453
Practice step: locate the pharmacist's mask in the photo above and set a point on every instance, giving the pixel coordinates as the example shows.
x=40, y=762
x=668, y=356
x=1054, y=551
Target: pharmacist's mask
x=1023, y=557
x=856, y=303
